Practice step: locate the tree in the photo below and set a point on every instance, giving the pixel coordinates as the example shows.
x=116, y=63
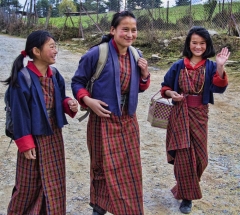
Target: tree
x=67, y=6
x=96, y=5
x=10, y=5
x=182, y=2
x=209, y=8
x=77, y=4
x=55, y=11
x=42, y=8
x=143, y=4
x=114, y=5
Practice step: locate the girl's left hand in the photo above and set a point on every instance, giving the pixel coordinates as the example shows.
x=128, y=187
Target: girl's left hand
x=73, y=105
x=143, y=64
x=222, y=57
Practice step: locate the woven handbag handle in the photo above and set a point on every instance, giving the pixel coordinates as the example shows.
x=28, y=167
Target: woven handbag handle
x=159, y=97
x=155, y=94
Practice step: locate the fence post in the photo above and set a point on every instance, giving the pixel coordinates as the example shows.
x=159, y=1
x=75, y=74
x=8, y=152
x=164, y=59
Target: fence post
x=48, y=16
x=190, y=12
x=167, y=11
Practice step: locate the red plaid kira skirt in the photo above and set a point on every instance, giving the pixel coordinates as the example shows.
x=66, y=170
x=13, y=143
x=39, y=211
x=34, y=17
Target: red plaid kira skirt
x=40, y=187
x=115, y=172
x=186, y=141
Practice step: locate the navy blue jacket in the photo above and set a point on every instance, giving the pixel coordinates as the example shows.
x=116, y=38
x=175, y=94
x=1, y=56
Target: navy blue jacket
x=172, y=76
x=28, y=108
x=107, y=87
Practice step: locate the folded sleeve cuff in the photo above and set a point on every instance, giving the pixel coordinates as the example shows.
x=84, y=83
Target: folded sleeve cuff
x=25, y=143
x=143, y=85
x=220, y=82
x=67, y=109
x=80, y=94
x=163, y=90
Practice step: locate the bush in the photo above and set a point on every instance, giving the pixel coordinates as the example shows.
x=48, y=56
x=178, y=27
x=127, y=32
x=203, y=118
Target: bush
x=105, y=23
x=144, y=22
x=221, y=19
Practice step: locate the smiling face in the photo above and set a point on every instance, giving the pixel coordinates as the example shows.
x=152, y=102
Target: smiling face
x=125, y=33
x=198, y=45
x=47, y=55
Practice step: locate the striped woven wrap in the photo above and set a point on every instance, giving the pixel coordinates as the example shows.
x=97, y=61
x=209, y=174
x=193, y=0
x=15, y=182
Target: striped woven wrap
x=40, y=186
x=114, y=148
x=186, y=141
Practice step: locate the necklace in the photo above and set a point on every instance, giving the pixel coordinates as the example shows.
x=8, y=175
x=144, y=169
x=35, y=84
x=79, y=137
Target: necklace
x=190, y=83
x=193, y=62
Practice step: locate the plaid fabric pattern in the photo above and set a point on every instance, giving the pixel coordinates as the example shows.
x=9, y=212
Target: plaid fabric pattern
x=40, y=184
x=114, y=148
x=187, y=140
x=48, y=91
x=125, y=74
x=195, y=81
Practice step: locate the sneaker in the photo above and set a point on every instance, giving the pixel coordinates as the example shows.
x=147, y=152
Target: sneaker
x=186, y=206
x=96, y=213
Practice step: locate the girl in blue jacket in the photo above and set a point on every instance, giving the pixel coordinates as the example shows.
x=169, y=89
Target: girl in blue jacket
x=113, y=132
x=37, y=111
x=190, y=83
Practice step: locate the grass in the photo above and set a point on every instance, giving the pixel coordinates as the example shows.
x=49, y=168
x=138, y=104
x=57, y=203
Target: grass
x=151, y=41
x=174, y=14
x=85, y=20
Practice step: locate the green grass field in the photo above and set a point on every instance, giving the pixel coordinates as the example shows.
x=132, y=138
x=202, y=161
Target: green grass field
x=174, y=14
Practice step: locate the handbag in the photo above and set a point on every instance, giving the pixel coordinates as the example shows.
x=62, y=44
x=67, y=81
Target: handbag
x=159, y=111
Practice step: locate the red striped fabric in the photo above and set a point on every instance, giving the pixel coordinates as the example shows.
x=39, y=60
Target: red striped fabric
x=40, y=186
x=187, y=140
x=114, y=148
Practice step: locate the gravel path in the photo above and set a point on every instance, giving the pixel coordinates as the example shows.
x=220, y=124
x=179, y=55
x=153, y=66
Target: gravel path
x=220, y=182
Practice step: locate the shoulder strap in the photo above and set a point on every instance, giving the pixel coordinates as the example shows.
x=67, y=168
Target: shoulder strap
x=27, y=78
x=103, y=54
x=26, y=74
x=54, y=70
x=135, y=53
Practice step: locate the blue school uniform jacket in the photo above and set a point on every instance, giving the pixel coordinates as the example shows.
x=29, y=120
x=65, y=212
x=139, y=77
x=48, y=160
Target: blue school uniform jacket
x=172, y=76
x=28, y=108
x=107, y=87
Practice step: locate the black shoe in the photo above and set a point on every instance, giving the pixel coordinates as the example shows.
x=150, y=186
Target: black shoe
x=186, y=206
x=95, y=213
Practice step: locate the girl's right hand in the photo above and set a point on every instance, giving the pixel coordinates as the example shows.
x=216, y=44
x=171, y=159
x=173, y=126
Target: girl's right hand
x=174, y=95
x=30, y=154
x=96, y=106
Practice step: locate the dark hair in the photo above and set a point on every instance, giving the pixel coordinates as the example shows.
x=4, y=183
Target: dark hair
x=202, y=32
x=35, y=39
x=117, y=18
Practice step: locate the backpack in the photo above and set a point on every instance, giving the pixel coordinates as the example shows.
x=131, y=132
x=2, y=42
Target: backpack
x=103, y=55
x=9, y=121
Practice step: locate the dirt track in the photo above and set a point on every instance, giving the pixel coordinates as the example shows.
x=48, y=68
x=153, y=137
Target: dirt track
x=220, y=182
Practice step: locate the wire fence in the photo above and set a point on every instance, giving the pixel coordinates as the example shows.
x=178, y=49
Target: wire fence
x=154, y=21
x=223, y=15
x=216, y=15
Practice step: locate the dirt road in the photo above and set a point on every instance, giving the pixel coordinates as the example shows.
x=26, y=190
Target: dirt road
x=220, y=182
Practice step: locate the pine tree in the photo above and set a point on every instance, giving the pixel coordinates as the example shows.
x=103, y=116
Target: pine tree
x=182, y=2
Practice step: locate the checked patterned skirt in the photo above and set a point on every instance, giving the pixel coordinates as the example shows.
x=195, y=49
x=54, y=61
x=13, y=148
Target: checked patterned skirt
x=115, y=172
x=40, y=186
